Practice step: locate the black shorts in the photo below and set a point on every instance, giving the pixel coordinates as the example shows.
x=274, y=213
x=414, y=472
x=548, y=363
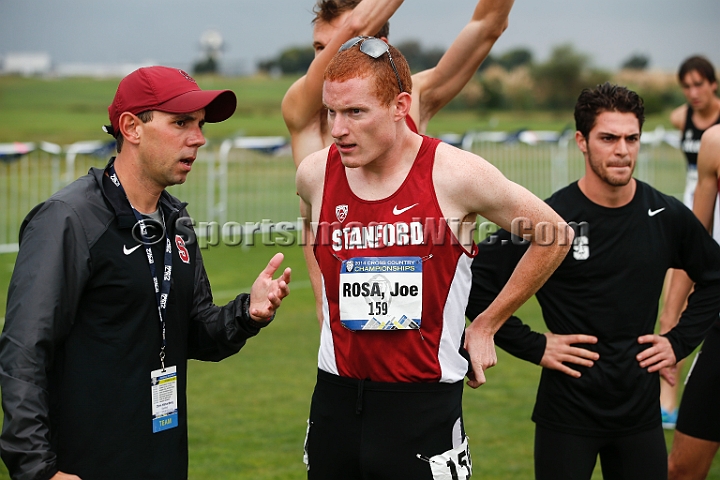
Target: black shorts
x=698, y=415
x=564, y=456
x=363, y=429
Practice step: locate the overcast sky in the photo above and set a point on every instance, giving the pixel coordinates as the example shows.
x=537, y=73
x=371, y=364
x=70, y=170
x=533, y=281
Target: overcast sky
x=168, y=31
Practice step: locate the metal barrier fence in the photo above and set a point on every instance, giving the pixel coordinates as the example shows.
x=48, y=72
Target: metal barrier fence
x=233, y=184
x=546, y=167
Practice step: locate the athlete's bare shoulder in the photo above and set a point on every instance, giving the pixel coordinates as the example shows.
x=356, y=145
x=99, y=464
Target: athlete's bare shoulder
x=677, y=116
x=467, y=184
x=464, y=181
x=710, y=148
x=458, y=165
x=310, y=176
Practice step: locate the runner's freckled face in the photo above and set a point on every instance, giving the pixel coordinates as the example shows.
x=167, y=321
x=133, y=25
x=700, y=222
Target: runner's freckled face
x=362, y=127
x=169, y=145
x=612, y=147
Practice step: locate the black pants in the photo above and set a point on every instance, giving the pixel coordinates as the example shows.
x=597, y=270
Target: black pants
x=562, y=456
x=699, y=416
x=361, y=430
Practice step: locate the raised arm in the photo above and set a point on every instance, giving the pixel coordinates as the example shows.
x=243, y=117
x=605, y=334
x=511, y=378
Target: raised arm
x=435, y=87
x=303, y=100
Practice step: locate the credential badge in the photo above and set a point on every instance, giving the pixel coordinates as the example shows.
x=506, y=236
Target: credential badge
x=341, y=212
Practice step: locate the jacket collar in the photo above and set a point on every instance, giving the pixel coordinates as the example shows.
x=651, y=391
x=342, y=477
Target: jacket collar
x=120, y=204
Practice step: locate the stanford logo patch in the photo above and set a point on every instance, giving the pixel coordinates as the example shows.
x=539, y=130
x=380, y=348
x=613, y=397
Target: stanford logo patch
x=182, y=249
x=341, y=212
x=188, y=77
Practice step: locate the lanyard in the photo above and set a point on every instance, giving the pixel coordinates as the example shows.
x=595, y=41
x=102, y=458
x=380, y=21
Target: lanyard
x=161, y=290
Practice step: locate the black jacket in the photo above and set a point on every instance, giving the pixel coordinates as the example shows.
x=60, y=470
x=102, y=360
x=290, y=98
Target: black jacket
x=82, y=334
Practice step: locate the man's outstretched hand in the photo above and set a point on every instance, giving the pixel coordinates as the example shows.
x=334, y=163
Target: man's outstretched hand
x=267, y=294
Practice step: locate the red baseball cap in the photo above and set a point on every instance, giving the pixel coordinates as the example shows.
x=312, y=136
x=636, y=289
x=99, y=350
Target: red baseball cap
x=168, y=90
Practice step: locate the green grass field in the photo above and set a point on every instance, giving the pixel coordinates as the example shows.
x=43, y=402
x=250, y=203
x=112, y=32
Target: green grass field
x=67, y=110
x=247, y=414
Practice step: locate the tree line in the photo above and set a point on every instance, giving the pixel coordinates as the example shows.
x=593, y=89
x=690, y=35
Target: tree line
x=514, y=80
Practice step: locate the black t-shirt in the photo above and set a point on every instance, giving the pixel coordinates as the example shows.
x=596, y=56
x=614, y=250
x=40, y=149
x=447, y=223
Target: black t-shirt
x=608, y=285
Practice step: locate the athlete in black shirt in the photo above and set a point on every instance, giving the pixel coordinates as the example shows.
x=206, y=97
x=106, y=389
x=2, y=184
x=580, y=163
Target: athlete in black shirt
x=599, y=390
x=702, y=110
x=697, y=436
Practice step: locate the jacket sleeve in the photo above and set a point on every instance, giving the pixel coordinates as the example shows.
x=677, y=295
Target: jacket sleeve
x=217, y=332
x=492, y=267
x=52, y=267
x=699, y=255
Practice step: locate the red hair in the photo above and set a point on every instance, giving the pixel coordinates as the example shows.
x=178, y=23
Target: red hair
x=352, y=63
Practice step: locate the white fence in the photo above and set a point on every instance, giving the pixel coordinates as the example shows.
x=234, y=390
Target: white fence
x=253, y=179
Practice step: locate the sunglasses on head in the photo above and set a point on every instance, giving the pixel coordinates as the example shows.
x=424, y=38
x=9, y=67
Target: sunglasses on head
x=373, y=47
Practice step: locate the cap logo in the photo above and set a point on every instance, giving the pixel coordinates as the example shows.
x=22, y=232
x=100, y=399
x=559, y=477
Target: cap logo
x=188, y=77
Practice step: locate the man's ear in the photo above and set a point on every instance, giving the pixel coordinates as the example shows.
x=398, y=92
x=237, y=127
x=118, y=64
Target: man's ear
x=402, y=104
x=581, y=141
x=128, y=124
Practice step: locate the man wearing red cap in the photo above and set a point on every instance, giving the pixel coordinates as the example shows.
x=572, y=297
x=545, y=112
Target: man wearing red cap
x=109, y=299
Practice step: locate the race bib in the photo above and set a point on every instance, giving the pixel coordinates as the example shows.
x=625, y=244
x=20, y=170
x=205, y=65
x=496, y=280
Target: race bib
x=454, y=464
x=381, y=293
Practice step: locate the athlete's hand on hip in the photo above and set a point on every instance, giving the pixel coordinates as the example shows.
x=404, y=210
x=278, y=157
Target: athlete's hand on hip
x=480, y=345
x=266, y=294
x=559, y=349
x=658, y=356
x=670, y=374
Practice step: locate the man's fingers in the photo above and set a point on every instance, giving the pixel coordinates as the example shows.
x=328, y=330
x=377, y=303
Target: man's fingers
x=581, y=353
x=659, y=365
x=645, y=355
x=668, y=374
x=286, y=275
x=649, y=339
x=648, y=356
x=274, y=264
x=575, y=338
x=567, y=370
x=655, y=360
x=557, y=362
x=582, y=360
x=659, y=355
x=564, y=345
x=477, y=378
x=579, y=338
